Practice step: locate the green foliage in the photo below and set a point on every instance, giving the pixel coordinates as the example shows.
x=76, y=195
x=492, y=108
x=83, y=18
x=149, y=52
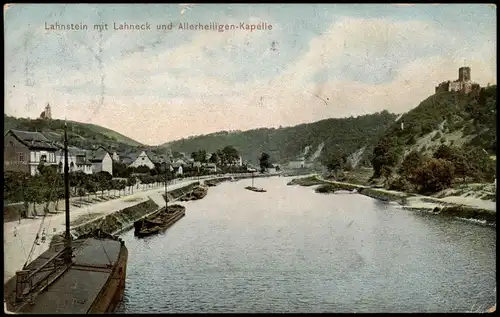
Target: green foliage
x=334, y=163
x=214, y=158
x=401, y=184
x=326, y=188
x=344, y=135
x=480, y=167
x=475, y=113
x=385, y=155
x=434, y=175
x=428, y=175
x=121, y=170
x=199, y=156
x=143, y=169
x=228, y=155
x=471, y=161
x=410, y=164
x=264, y=162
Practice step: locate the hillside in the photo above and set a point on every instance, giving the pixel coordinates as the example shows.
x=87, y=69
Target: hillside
x=81, y=134
x=461, y=121
x=314, y=140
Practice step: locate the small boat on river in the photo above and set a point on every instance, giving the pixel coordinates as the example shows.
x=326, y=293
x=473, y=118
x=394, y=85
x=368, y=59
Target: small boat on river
x=255, y=189
x=159, y=221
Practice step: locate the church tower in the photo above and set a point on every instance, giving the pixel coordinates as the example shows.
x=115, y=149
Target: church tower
x=47, y=114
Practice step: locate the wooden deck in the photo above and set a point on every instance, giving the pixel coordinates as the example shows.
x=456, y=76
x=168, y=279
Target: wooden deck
x=78, y=287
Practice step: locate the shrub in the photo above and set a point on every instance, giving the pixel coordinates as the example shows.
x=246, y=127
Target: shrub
x=434, y=175
x=401, y=184
x=326, y=188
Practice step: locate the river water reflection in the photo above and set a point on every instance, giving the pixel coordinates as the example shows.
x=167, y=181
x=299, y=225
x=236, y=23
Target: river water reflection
x=293, y=250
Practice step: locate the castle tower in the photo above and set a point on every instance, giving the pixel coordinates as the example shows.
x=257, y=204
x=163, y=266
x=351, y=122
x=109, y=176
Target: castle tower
x=464, y=74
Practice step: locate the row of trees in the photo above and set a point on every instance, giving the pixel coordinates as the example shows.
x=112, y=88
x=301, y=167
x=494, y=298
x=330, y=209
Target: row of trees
x=48, y=185
x=228, y=157
x=224, y=157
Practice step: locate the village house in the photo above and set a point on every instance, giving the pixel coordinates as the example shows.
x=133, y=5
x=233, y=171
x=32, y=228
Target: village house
x=77, y=160
x=178, y=166
x=24, y=151
x=251, y=168
x=237, y=162
x=127, y=158
x=101, y=160
x=142, y=159
x=275, y=168
x=297, y=163
x=211, y=167
x=115, y=157
x=197, y=165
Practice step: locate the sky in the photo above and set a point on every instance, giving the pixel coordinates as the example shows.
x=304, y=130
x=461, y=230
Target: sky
x=317, y=61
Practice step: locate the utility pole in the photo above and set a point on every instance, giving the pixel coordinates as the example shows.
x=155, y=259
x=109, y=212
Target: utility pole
x=68, y=248
x=166, y=181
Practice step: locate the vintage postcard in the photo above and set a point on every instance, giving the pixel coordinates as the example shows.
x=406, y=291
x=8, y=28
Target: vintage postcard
x=271, y=158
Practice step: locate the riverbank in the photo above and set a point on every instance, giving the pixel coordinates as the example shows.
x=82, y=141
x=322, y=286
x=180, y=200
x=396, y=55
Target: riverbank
x=19, y=237
x=124, y=219
x=464, y=209
x=13, y=212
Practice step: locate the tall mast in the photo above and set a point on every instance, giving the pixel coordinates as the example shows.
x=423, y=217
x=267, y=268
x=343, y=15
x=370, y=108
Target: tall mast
x=166, y=182
x=68, y=253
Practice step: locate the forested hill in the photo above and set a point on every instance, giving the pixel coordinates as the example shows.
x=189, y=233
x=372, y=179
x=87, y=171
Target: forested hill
x=337, y=136
x=461, y=121
x=84, y=135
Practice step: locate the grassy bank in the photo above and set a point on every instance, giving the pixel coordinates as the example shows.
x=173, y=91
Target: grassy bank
x=408, y=201
x=112, y=222
x=122, y=219
x=178, y=192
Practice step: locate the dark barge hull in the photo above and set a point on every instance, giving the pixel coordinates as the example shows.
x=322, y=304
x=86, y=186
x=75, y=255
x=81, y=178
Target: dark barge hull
x=173, y=219
x=94, y=283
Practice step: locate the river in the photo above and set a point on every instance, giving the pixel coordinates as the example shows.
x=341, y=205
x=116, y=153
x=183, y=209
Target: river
x=293, y=250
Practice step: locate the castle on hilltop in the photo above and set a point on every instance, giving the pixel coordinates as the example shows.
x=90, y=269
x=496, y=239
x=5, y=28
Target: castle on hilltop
x=47, y=114
x=463, y=84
